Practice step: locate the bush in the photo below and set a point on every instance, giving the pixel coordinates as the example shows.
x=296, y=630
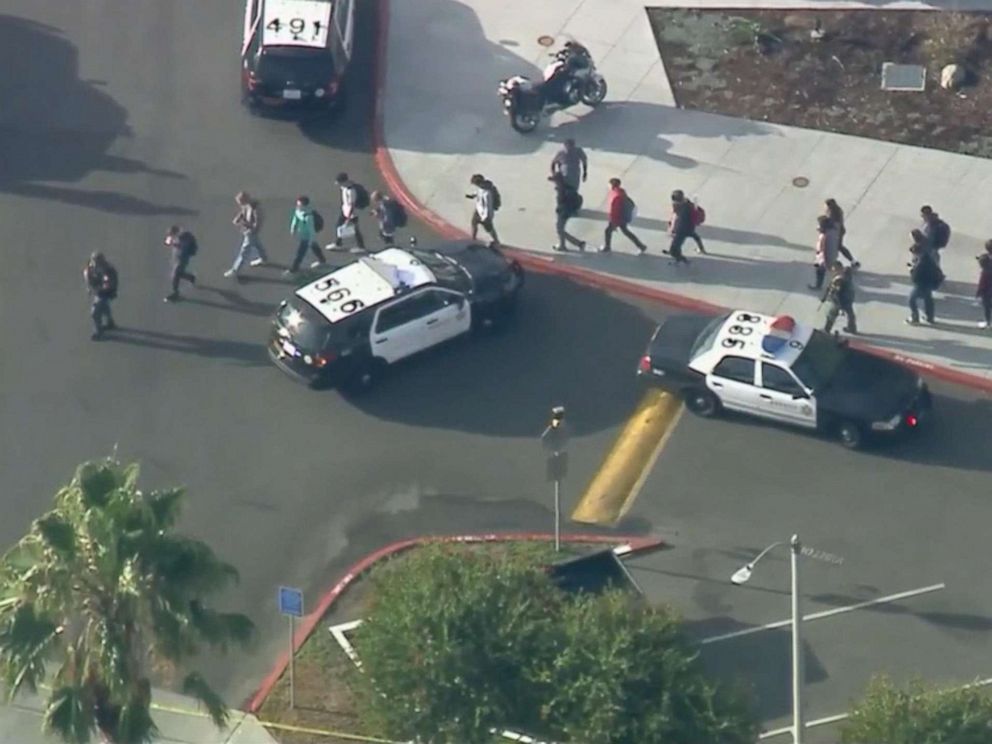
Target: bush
x=920, y=714
x=459, y=642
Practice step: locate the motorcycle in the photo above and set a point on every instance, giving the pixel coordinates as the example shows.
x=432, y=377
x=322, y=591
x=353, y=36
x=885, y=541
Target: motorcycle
x=571, y=78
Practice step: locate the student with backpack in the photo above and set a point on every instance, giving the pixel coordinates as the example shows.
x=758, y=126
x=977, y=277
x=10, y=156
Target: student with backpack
x=686, y=216
x=354, y=197
x=391, y=216
x=621, y=211
x=936, y=231
x=926, y=277
x=487, y=203
x=304, y=226
x=249, y=221
x=984, y=289
x=568, y=201
x=184, y=247
x=101, y=282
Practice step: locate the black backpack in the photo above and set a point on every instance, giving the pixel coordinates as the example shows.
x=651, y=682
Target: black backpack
x=571, y=201
x=188, y=243
x=628, y=208
x=361, y=196
x=398, y=213
x=497, y=199
x=318, y=221
x=941, y=234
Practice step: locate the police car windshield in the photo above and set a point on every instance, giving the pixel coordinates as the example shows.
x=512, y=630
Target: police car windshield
x=817, y=364
x=448, y=274
x=704, y=341
x=306, y=326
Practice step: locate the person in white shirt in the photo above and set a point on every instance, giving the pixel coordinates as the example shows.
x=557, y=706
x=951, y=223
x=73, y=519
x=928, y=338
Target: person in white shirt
x=485, y=206
x=350, y=205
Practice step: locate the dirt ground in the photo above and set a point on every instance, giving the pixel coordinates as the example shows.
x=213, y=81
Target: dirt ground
x=765, y=65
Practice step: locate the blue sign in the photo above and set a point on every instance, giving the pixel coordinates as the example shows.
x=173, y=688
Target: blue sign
x=290, y=601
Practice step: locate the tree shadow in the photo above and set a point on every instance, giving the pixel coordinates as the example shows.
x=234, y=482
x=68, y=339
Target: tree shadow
x=249, y=355
x=235, y=302
x=58, y=127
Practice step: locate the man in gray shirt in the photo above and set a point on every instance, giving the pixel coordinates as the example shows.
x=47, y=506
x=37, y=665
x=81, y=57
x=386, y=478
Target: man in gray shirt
x=572, y=163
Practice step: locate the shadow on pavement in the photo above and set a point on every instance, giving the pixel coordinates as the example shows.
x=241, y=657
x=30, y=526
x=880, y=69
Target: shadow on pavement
x=58, y=127
x=567, y=345
x=252, y=355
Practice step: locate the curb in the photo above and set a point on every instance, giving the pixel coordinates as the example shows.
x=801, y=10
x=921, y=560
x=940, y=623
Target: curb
x=547, y=265
x=309, y=622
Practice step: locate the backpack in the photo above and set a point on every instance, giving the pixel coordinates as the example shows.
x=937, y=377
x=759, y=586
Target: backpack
x=938, y=277
x=188, y=243
x=497, y=199
x=113, y=281
x=361, y=196
x=398, y=213
x=572, y=201
x=941, y=234
x=628, y=210
x=318, y=221
x=698, y=215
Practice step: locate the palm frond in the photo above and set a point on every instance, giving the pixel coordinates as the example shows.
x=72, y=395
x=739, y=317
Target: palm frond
x=57, y=534
x=69, y=714
x=96, y=481
x=221, y=628
x=135, y=724
x=166, y=507
x=196, y=686
x=25, y=640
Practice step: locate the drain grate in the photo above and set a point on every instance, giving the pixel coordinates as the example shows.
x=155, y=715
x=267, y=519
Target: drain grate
x=903, y=77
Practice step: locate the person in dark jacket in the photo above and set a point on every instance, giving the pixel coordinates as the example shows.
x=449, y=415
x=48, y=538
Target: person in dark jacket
x=984, y=289
x=184, y=247
x=101, y=282
x=386, y=210
x=682, y=225
x=926, y=277
x=571, y=163
x=840, y=295
x=836, y=215
x=567, y=203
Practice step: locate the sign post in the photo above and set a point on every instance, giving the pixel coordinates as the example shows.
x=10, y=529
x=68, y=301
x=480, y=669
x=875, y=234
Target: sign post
x=291, y=604
x=555, y=441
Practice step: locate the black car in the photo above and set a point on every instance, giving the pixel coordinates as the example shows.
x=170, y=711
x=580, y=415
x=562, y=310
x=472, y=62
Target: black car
x=351, y=323
x=295, y=53
x=776, y=368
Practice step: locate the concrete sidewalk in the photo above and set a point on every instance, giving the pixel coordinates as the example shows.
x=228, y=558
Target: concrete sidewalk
x=178, y=718
x=443, y=122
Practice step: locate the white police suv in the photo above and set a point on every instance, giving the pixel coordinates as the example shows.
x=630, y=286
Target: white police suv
x=350, y=324
x=778, y=369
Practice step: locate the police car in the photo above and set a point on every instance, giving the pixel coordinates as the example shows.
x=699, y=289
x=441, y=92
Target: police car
x=352, y=323
x=778, y=369
x=295, y=52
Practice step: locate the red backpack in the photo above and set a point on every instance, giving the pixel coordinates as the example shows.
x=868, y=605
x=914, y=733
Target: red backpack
x=698, y=215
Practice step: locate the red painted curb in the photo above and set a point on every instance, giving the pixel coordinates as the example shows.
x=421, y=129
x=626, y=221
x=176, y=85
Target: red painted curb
x=308, y=623
x=535, y=262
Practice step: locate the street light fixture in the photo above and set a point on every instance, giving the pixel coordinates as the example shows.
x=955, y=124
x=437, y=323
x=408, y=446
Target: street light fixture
x=740, y=577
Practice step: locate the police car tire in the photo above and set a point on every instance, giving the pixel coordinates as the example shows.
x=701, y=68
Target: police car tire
x=851, y=434
x=701, y=402
x=365, y=377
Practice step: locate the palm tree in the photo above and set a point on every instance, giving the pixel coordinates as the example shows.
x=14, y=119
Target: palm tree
x=100, y=591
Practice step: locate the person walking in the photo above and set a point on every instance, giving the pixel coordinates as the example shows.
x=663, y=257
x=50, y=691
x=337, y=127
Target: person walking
x=984, y=290
x=303, y=226
x=568, y=201
x=487, y=202
x=826, y=249
x=249, y=221
x=935, y=230
x=354, y=197
x=101, y=283
x=621, y=211
x=682, y=225
x=836, y=215
x=571, y=163
x=184, y=247
x=840, y=295
x=390, y=215
x=926, y=276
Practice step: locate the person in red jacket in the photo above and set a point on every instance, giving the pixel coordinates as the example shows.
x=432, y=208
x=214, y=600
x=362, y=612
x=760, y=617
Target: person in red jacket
x=620, y=213
x=984, y=290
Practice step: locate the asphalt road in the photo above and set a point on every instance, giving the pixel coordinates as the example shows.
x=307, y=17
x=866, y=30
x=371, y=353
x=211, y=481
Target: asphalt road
x=123, y=117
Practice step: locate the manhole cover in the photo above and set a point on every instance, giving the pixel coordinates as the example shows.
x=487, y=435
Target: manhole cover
x=546, y=40
x=903, y=77
x=800, y=182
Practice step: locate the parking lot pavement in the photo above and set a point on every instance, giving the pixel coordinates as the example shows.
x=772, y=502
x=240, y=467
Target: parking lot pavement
x=900, y=518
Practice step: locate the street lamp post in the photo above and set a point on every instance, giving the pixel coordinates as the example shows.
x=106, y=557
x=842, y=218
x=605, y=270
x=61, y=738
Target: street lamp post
x=555, y=440
x=740, y=577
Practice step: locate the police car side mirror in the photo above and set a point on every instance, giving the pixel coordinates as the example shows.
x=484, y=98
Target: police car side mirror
x=802, y=395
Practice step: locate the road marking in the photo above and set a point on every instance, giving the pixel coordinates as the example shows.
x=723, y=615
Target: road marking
x=826, y=613
x=613, y=489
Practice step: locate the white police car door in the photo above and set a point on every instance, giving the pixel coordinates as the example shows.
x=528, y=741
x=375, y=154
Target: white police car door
x=400, y=328
x=732, y=380
x=783, y=398
x=452, y=317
